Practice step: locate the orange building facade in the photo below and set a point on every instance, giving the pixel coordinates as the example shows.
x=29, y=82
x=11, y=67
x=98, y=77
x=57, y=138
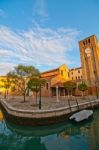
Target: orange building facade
x=89, y=53
x=55, y=79
x=76, y=74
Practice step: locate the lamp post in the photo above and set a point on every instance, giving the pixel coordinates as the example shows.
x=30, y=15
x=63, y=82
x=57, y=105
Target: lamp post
x=40, y=96
x=57, y=98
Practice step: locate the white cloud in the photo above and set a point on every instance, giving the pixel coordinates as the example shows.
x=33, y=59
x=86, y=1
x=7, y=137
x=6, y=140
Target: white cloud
x=6, y=67
x=37, y=46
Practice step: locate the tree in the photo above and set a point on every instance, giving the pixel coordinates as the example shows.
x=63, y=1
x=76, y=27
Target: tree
x=13, y=89
x=21, y=76
x=69, y=86
x=34, y=85
x=82, y=87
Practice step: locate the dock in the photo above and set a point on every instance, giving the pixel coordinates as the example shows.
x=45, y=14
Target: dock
x=42, y=117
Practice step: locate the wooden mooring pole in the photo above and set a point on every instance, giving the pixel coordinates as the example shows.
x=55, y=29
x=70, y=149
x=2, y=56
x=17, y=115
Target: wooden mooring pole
x=69, y=105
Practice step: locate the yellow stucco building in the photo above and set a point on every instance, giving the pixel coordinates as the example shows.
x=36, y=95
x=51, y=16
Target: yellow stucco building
x=3, y=84
x=76, y=74
x=55, y=79
x=2, y=89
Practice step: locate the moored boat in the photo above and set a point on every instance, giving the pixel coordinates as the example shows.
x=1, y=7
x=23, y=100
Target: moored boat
x=81, y=115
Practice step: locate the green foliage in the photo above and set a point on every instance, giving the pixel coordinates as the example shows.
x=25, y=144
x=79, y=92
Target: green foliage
x=70, y=85
x=13, y=88
x=21, y=76
x=6, y=85
x=22, y=71
x=35, y=82
x=82, y=87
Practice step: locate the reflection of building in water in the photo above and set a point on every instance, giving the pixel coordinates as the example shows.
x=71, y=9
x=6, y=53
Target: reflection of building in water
x=93, y=136
x=74, y=130
x=65, y=135
x=1, y=116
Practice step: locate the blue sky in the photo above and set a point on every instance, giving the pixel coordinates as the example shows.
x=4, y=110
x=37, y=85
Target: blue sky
x=45, y=33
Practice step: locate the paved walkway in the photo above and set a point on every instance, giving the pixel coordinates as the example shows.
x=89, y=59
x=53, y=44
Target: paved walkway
x=47, y=102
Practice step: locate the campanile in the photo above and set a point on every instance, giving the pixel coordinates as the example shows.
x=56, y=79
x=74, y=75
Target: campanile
x=89, y=53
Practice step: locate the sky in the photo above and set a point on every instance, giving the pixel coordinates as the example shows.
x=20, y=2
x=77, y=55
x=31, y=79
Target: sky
x=45, y=33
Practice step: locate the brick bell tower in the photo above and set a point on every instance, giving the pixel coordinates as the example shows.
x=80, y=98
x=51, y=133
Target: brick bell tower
x=89, y=53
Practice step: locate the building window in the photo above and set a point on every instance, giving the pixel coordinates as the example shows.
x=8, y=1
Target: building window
x=78, y=71
x=88, y=40
x=72, y=72
x=47, y=85
x=94, y=72
x=84, y=43
x=78, y=77
x=72, y=78
x=62, y=72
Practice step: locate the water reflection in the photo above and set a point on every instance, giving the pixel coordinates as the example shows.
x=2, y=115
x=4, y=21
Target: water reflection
x=41, y=131
x=83, y=136
x=1, y=116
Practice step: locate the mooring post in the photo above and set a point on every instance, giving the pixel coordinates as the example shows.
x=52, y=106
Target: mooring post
x=69, y=105
x=90, y=102
x=77, y=103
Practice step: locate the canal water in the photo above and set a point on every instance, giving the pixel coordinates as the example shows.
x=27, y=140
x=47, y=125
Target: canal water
x=64, y=136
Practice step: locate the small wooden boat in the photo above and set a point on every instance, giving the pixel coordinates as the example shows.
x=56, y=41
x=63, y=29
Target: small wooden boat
x=82, y=115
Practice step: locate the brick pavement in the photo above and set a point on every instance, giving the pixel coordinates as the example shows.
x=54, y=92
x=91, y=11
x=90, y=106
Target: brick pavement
x=47, y=102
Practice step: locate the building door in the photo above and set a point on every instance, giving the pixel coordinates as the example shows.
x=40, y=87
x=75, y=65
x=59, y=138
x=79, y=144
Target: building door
x=53, y=91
